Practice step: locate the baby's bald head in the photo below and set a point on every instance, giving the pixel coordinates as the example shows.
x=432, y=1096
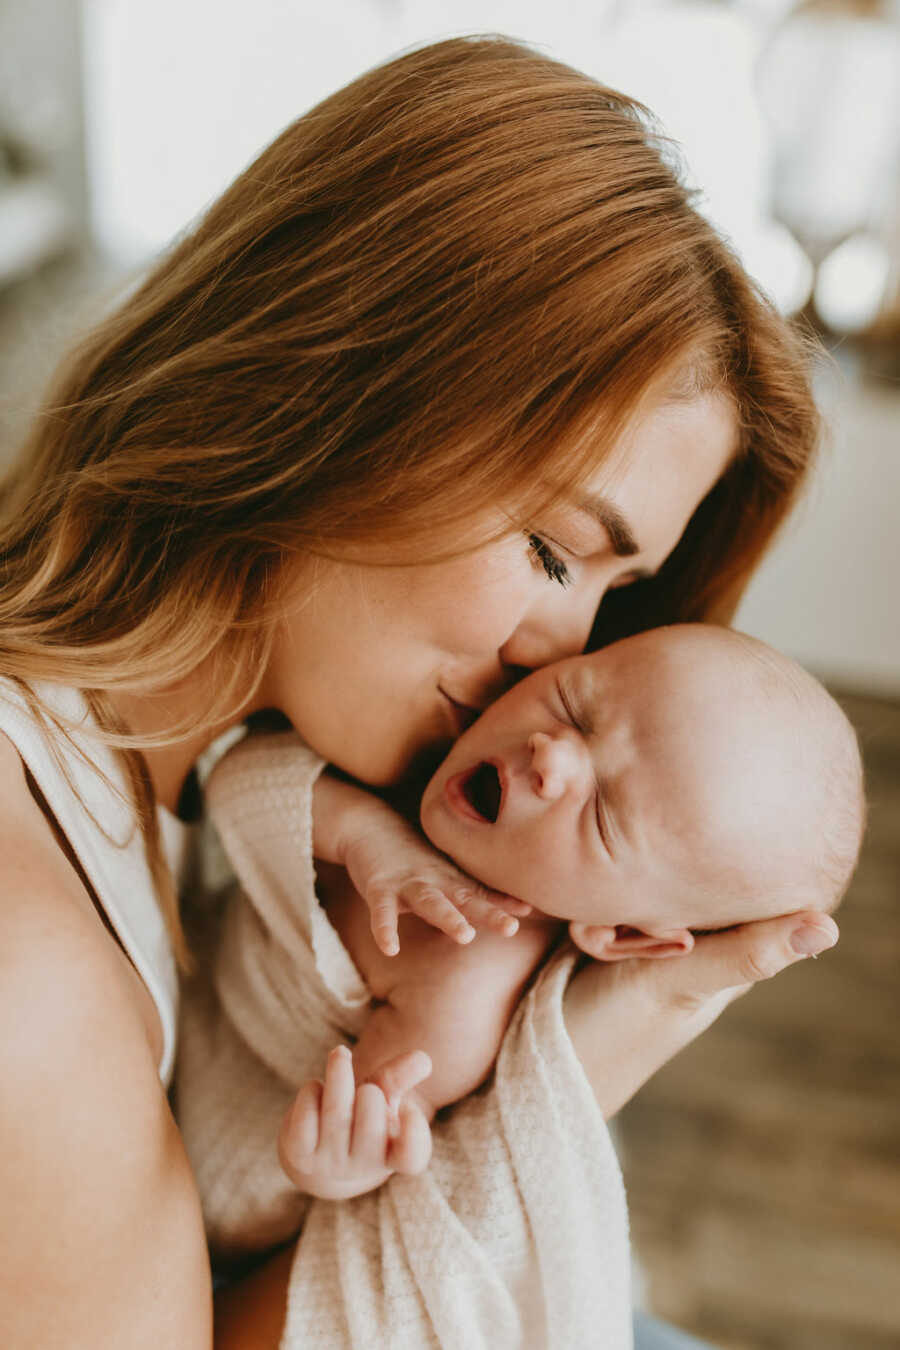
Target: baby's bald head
x=686, y=778
x=772, y=796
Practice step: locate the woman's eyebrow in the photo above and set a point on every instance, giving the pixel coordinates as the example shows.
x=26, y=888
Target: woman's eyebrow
x=610, y=517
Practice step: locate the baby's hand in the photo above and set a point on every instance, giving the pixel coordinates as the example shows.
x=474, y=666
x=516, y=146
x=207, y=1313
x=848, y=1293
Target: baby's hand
x=396, y=872
x=340, y=1140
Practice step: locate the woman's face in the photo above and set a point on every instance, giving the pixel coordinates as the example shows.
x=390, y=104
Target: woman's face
x=378, y=666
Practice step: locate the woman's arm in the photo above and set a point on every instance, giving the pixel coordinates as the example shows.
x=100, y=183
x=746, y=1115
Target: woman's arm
x=626, y=1019
x=453, y=1002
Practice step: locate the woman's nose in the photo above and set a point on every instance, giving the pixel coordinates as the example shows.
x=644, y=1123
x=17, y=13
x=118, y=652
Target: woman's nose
x=542, y=638
x=554, y=763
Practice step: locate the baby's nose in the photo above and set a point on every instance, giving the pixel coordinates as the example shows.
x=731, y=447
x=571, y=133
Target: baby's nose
x=552, y=764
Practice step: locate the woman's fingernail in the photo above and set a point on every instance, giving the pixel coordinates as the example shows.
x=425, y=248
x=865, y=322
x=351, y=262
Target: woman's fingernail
x=811, y=939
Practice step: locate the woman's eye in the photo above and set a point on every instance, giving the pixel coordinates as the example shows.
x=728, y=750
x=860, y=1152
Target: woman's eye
x=552, y=564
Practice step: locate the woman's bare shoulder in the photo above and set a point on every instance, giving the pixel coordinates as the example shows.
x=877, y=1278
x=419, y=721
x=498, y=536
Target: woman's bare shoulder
x=45, y=911
x=99, y=1205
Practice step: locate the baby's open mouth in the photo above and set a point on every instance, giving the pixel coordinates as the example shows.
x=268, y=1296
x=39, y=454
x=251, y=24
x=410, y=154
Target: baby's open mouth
x=483, y=791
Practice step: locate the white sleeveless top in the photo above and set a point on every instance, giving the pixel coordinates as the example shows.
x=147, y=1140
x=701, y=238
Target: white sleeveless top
x=82, y=782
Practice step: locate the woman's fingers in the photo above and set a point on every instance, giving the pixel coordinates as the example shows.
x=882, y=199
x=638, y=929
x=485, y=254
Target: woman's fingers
x=740, y=957
x=626, y=1019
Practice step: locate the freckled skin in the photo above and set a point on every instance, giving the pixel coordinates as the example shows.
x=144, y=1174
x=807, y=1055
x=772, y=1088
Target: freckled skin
x=366, y=657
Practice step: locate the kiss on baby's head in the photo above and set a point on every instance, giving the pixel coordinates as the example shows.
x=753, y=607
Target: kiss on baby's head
x=686, y=778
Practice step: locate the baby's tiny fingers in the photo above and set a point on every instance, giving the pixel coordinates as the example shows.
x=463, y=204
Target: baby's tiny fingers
x=510, y=904
x=410, y=1151
x=338, y=1093
x=435, y=908
x=482, y=910
x=383, y=920
x=370, y=1126
x=299, y=1137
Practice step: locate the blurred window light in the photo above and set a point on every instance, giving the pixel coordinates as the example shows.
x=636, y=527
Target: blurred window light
x=852, y=283
x=693, y=65
x=830, y=84
x=182, y=94
x=772, y=255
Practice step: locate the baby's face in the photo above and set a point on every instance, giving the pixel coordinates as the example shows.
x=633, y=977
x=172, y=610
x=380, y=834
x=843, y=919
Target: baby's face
x=605, y=790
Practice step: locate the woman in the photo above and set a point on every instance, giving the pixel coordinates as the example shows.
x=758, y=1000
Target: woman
x=451, y=364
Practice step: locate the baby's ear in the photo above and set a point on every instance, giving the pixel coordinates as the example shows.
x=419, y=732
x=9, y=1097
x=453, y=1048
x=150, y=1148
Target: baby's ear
x=621, y=942
x=593, y=939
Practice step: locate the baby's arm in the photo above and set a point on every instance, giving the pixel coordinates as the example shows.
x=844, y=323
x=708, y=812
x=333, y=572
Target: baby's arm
x=396, y=870
x=451, y=1003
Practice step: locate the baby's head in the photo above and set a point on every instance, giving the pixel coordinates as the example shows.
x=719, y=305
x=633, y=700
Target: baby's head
x=686, y=778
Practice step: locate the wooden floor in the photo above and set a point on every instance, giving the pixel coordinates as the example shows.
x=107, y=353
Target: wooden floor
x=763, y=1164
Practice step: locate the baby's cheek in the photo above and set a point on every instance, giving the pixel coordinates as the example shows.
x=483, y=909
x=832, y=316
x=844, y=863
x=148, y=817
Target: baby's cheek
x=430, y=819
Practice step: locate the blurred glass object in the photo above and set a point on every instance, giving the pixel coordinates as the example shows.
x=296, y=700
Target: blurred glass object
x=852, y=283
x=694, y=63
x=35, y=224
x=829, y=79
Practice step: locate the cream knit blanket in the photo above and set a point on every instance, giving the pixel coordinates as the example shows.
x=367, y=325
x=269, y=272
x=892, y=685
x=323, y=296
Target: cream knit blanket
x=516, y=1236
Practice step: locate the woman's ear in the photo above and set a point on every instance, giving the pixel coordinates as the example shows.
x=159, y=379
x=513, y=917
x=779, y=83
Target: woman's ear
x=617, y=944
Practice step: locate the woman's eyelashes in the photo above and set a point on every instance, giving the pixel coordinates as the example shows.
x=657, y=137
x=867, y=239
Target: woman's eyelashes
x=551, y=562
x=555, y=569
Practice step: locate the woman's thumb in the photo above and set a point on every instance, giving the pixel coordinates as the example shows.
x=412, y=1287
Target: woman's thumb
x=739, y=957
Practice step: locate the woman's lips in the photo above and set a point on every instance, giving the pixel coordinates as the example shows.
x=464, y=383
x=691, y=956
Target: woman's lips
x=461, y=714
x=455, y=792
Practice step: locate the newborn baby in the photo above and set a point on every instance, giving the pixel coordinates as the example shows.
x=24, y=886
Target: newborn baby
x=685, y=779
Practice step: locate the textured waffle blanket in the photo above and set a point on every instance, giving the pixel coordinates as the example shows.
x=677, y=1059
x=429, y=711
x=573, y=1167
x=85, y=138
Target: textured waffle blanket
x=514, y=1239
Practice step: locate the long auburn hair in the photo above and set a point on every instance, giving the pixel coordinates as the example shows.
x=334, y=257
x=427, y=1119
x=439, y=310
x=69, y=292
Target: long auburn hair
x=451, y=282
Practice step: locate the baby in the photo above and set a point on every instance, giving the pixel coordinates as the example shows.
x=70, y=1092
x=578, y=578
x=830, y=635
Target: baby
x=688, y=778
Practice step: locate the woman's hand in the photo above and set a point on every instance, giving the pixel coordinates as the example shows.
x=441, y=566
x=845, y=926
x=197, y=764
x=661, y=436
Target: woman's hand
x=627, y=1019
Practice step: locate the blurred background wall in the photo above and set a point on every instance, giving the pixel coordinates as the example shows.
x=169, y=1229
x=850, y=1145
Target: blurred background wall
x=763, y=1165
